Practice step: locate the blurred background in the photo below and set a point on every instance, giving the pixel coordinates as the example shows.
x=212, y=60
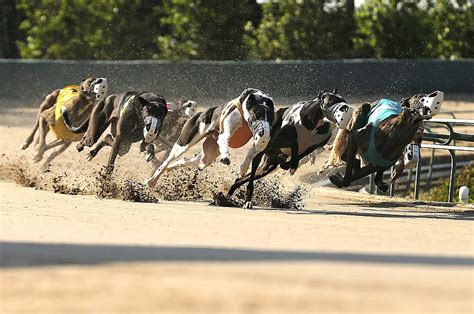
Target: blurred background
x=180, y=30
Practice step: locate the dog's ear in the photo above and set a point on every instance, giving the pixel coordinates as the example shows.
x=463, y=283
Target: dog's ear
x=405, y=102
x=320, y=94
x=251, y=99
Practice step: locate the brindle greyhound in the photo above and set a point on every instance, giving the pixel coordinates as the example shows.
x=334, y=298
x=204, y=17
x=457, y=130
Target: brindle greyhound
x=379, y=133
x=58, y=109
x=297, y=132
x=229, y=125
x=133, y=117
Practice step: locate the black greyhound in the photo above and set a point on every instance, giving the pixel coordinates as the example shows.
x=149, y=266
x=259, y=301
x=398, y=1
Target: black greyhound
x=296, y=132
x=133, y=117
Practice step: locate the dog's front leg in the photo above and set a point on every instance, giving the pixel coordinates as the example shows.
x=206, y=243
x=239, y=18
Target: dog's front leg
x=249, y=194
x=64, y=145
x=378, y=180
x=244, y=166
x=43, y=130
x=231, y=123
x=113, y=154
x=294, y=160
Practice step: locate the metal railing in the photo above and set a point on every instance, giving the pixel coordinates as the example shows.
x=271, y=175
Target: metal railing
x=443, y=142
x=440, y=142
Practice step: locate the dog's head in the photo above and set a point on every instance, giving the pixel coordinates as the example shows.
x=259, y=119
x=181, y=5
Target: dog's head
x=153, y=112
x=95, y=87
x=422, y=106
x=335, y=108
x=188, y=106
x=261, y=112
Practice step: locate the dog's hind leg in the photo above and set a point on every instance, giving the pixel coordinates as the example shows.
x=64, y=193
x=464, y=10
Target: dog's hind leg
x=231, y=123
x=176, y=152
x=208, y=154
x=62, y=147
x=107, y=141
x=47, y=103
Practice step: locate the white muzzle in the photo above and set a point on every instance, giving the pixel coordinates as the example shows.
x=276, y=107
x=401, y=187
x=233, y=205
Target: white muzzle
x=342, y=114
x=100, y=88
x=152, y=132
x=261, y=141
x=411, y=155
x=431, y=104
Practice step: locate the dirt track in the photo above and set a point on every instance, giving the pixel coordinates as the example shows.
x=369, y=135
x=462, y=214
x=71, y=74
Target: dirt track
x=344, y=252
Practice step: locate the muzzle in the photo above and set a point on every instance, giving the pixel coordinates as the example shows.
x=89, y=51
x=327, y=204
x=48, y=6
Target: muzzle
x=100, y=88
x=261, y=134
x=151, y=129
x=430, y=105
x=411, y=155
x=340, y=114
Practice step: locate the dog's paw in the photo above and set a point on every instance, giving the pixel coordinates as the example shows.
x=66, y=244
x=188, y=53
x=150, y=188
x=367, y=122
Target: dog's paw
x=225, y=161
x=37, y=157
x=24, y=146
x=247, y=205
x=149, y=157
x=90, y=156
x=80, y=147
x=383, y=187
x=337, y=180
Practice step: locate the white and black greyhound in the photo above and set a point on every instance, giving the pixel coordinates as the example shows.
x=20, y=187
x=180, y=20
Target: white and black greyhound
x=246, y=117
x=296, y=133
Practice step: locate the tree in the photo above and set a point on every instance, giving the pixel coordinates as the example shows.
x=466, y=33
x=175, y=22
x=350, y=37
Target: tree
x=393, y=29
x=88, y=29
x=9, y=33
x=453, y=23
x=204, y=29
x=305, y=29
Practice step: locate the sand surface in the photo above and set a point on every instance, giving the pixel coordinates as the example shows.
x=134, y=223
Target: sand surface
x=344, y=252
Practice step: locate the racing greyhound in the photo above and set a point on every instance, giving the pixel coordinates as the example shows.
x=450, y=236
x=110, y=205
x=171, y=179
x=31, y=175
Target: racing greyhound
x=229, y=125
x=380, y=133
x=297, y=132
x=60, y=107
x=133, y=117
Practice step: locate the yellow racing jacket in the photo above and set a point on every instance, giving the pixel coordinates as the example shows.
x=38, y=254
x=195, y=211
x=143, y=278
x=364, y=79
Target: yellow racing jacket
x=59, y=128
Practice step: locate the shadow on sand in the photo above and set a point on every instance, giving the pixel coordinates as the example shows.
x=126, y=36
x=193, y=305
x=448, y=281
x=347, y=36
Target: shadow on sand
x=25, y=254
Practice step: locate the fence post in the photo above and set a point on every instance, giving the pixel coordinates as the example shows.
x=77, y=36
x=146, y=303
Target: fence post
x=452, y=178
x=417, y=180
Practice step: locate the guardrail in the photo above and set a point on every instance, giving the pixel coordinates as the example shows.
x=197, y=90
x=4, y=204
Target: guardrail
x=440, y=142
x=444, y=143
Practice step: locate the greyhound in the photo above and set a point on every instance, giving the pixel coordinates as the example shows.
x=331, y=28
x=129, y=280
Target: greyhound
x=58, y=109
x=380, y=133
x=178, y=114
x=296, y=133
x=133, y=117
x=230, y=125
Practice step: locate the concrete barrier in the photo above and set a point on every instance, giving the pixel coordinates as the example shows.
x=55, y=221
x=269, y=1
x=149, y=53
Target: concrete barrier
x=29, y=80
